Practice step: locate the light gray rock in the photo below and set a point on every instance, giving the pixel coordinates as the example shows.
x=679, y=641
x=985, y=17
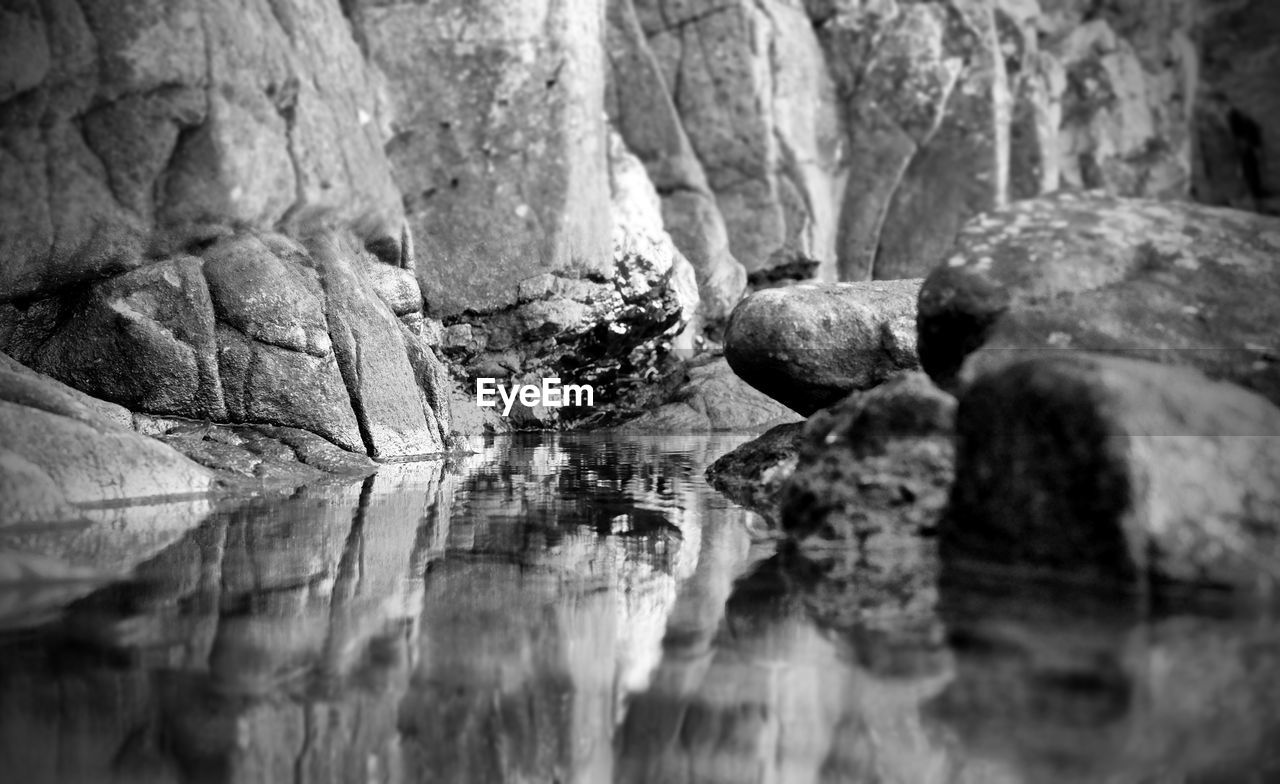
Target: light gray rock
x=810, y=345
x=1171, y=282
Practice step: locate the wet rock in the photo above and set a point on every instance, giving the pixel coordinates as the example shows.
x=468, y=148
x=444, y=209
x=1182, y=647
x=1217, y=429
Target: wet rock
x=754, y=474
x=873, y=471
x=1116, y=473
x=640, y=107
x=713, y=398
x=275, y=455
x=60, y=450
x=810, y=345
x=497, y=143
x=1171, y=282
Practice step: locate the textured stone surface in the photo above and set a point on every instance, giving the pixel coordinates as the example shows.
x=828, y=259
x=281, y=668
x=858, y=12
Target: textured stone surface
x=121, y=118
x=810, y=345
x=61, y=448
x=754, y=474
x=1116, y=472
x=713, y=398
x=497, y=141
x=873, y=470
x=1175, y=283
x=640, y=107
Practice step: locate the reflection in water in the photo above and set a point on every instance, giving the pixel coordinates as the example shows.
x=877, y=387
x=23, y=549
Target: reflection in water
x=585, y=609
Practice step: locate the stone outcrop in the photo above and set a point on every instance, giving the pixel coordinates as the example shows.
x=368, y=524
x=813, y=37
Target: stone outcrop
x=810, y=345
x=63, y=449
x=247, y=327
x=120, y=120
x=641, y=108
x=497, y=141
x=1116, y=472
x=1175, y=283
x=754, y=474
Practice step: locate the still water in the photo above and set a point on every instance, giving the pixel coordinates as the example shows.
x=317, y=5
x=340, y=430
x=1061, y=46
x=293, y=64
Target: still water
x=574, y=609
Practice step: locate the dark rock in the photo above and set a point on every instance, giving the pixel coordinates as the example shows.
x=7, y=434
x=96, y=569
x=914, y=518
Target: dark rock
x=810, y=345
x=873, y=470
x=712, y=399
x=1171, y=282
x=1116, y=472
x=754, y=474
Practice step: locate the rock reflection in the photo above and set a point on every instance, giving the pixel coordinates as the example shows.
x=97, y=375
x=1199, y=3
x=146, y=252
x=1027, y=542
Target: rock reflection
x=580, y=609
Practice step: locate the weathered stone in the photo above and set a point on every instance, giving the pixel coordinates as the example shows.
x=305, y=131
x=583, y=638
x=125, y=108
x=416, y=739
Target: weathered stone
x=267, y=298
x=712, y=399
x=810, y=345
x=143, y=339
x=1176, y=283
x=498, y=141
x=60, y=451
x=278, y=455
x=754, y=474
x=640, y=107
x=1117, y=473
x=873, y=470
x=265, y=383
x=394, y=416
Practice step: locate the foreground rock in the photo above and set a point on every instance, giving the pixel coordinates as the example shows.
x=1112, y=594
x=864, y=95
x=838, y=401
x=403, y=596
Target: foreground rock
x=1116, y=472
x=60, y=448
x=754, y=474
x=251, y=327
x=810, y=345
x=1172, y=282
x=713, y=398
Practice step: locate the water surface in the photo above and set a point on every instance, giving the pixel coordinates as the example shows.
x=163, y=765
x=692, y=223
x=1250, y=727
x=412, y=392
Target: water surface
x=575, y=608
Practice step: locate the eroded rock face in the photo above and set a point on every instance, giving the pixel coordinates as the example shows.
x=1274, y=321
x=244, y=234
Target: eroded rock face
x=253, y=328
x=124, y=118
x=810, y=345
x=713, y=398
x=1116, y=472
x=1171, y=282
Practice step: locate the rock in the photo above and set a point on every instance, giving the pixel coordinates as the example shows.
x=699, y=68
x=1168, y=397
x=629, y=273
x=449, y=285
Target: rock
x=60, y=450
x=498, y=141
x=1116, y=472
x=640, y=107
x=1172, y=282
x=125, y=118
x=277, y=455
x=758, y=107
x=754, y=474
x=873, y=470
x=393, y=413
x=810, y=345
x=712, y=399
x=1237, y=111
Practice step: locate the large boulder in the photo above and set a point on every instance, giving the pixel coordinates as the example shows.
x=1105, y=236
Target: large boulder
x=1116, y=472
x=810, y=345
x=1172, y=282
x=61, y=449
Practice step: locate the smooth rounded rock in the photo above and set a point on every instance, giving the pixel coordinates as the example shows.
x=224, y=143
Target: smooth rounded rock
x=810, y=345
